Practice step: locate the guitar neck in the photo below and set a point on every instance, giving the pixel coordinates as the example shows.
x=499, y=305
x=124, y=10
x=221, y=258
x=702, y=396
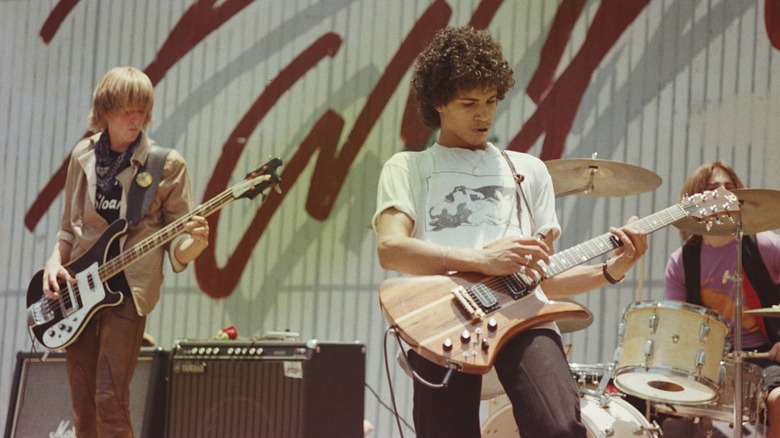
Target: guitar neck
x=163, y=236
x=607, y=242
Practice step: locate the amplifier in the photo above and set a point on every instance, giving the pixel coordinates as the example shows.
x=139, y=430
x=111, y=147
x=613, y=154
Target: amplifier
x=40, y=404
x=266, y=389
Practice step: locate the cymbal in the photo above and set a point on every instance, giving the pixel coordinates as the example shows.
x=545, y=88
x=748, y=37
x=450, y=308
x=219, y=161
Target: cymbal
x=594, y=177
x=757, y=210
x=773, y=312
x=574, y=325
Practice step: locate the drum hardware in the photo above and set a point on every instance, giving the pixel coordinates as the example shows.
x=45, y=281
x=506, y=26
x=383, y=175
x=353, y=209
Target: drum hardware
x=737, y=278
x=594, y=177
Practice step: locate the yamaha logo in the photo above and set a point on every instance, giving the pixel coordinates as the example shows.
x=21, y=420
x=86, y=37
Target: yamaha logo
x=190, y=367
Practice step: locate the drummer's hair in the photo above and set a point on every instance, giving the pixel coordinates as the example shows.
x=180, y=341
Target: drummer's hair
x=458, y=59
x=697, y=183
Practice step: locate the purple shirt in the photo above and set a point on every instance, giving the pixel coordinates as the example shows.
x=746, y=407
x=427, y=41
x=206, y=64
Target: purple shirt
x=718, y=289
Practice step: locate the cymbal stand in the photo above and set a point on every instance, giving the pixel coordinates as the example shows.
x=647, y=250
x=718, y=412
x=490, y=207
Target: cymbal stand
x=737, y=277
x=586, y=189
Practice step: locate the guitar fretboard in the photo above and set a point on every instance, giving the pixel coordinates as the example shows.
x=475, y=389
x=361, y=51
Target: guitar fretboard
x=606, y=242
x=160, y=238
x=169, y=232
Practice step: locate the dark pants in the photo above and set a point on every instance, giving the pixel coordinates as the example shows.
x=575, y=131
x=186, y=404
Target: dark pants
x=100, y=366
x=534, y=372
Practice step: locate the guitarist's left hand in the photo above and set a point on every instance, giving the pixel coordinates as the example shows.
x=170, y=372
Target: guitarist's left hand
x=198, y=239
x=584, y=278
x=634, y=247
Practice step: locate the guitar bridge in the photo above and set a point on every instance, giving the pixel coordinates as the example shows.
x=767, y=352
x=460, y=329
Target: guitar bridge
x=36, y=315
x=476, y=301
x=467, y=303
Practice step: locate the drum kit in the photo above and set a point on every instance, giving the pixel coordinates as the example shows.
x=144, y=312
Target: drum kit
x=671, y=355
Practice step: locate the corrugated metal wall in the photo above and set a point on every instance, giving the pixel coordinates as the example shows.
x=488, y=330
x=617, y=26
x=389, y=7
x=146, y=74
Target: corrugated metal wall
x=664, y=85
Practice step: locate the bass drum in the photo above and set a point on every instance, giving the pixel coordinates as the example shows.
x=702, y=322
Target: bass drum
x=617, y=418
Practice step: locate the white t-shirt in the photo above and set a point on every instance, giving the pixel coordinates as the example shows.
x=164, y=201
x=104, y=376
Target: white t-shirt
x=459, y=197
x=464, y=198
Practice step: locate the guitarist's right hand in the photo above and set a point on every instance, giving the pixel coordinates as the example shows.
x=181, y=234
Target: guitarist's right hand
x=54, y=271
x=509, y=255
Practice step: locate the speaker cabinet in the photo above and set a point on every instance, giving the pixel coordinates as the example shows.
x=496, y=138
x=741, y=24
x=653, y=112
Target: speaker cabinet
x=280, y=389
x=40, y=404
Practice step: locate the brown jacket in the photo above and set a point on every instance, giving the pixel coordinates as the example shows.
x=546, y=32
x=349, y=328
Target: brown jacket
x=82, y=225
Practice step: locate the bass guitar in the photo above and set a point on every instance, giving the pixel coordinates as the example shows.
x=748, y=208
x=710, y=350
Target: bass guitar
x=461, y=321
x=57, y=323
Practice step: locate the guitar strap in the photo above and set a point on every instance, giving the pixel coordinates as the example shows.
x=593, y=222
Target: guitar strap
x=144, y=186
x=518, y=193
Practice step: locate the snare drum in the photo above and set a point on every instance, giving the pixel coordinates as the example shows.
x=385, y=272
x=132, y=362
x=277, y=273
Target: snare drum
x=616, y=418
x=722, y=409
x=587, y=376
x=670, y=352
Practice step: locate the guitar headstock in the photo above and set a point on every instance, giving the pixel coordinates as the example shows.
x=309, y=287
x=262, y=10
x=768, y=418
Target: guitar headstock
x=711, y=206
x=258, y=181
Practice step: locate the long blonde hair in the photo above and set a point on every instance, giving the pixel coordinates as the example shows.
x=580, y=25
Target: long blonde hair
x=698, y=182
x=121, y=88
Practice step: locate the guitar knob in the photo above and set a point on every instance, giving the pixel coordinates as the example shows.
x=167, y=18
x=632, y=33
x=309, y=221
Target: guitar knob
x=447, y=344
x=485, y=345
x=465, y=336
x=492, y=324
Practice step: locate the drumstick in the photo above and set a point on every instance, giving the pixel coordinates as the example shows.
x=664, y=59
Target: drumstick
x=750, y=355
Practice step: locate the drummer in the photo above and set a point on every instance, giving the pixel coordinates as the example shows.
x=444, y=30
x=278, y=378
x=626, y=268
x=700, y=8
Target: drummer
x=714, y=257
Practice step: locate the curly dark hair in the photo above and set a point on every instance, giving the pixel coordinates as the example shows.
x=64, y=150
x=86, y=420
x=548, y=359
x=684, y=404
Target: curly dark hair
x=458, y=59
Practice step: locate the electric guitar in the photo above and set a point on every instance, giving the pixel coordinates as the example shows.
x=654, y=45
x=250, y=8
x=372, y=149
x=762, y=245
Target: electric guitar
x=57, y=323
x=461, y=321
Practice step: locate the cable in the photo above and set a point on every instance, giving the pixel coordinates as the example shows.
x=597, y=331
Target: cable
x=390, y=383
x=418, y=377
x=388, y=407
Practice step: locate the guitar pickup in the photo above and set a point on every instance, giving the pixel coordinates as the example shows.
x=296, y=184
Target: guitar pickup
x=518, y=285
x=69, y=301
x=484, y=296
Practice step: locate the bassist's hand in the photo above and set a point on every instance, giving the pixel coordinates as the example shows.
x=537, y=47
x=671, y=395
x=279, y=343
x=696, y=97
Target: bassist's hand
x=53, y=273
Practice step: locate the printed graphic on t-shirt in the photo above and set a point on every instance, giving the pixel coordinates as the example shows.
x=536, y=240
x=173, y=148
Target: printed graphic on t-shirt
x=714, y=296
x=472, y=205
x=107, y=204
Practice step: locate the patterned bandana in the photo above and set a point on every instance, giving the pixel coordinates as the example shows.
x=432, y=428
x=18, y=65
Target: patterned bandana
x=108, y=164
